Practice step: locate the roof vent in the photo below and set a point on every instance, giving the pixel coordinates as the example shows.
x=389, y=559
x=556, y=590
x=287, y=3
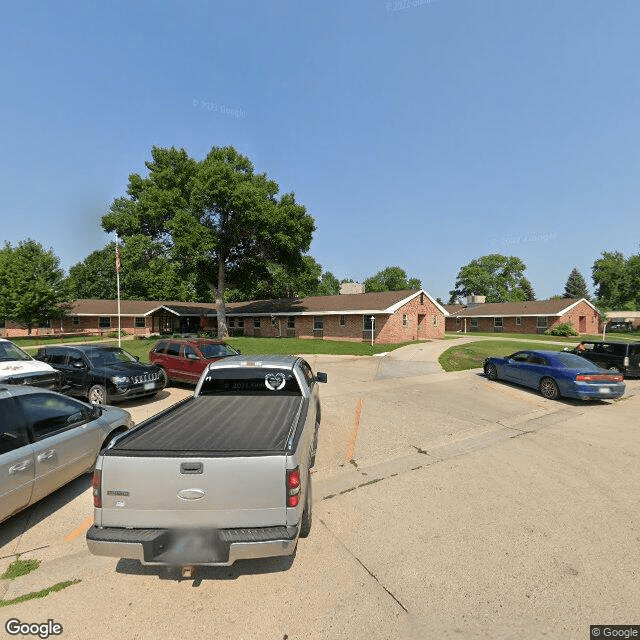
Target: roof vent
x=474, y=301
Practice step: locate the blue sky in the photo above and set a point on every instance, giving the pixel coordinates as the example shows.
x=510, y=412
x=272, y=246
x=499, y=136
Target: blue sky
x=421, y=136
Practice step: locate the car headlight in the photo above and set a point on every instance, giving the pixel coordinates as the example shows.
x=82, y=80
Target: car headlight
x=120, y=379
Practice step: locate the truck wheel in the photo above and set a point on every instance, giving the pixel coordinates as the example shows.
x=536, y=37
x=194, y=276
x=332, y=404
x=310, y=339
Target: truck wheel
x=98, y=395
x=305, y=527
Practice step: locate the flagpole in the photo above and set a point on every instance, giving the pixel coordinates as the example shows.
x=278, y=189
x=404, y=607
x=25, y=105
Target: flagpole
x=118, y=285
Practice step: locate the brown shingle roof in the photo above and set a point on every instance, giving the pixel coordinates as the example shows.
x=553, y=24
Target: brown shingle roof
x=379, y=302
x=555, y=307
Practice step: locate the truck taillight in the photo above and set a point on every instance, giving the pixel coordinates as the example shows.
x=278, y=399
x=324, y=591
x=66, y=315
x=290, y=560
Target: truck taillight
x=293, y=487
x=95, y=483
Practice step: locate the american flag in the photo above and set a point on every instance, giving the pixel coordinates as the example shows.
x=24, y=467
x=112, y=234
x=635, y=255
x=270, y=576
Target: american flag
x=117, y=259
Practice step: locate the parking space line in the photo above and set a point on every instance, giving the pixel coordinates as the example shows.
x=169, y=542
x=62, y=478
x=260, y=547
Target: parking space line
x=78, y=531
x=354, y=431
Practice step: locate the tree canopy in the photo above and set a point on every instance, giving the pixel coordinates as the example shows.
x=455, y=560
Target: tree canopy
x=576, y=285
x=146, y=274
x=617, y=280
x=391, y=279
x=31, y=284
x=216, y=220
x=499, y=278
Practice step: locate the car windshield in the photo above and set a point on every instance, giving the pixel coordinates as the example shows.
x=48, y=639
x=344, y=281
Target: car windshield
x=106, y=357
x=9, y=351
x=572, y=361
x=217, y=350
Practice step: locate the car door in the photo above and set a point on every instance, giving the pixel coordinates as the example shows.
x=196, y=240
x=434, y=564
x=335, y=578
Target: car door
x=64, y=442
x=77, y=374
x=192, y=364
x=172, y=361
x=17, y=462
x=532, y=371
x=511, y=370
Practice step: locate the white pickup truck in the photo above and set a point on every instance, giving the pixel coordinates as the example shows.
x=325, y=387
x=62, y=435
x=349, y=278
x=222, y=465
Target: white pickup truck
x=221, y=476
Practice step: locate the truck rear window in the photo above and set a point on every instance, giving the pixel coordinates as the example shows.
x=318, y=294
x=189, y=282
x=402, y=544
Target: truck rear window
x=250, y=382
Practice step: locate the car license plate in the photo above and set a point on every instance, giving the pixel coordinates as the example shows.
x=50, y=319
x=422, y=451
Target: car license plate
x=149, y=385
x=604, y=389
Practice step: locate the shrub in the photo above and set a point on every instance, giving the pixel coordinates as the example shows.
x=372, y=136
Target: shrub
x=565, y=329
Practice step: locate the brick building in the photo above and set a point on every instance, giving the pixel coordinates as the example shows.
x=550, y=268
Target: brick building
x=398, y=316
x=535, y=316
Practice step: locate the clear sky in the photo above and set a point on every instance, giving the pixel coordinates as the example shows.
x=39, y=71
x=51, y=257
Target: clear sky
x=417, y=133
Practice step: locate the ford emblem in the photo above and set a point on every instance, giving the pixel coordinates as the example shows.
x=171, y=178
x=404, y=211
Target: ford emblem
x=191, y=494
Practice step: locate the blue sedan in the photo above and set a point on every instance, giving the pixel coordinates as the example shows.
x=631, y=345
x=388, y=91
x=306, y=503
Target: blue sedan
x=556, y=373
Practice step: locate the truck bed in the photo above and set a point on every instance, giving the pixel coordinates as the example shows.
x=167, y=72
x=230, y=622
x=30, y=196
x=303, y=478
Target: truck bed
x=216, y=425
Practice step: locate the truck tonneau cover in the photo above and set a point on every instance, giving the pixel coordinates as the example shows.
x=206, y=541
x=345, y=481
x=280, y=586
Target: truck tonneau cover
x=217, y=424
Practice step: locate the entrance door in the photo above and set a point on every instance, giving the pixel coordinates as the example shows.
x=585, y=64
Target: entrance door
x=582, y=324
x=421, y=326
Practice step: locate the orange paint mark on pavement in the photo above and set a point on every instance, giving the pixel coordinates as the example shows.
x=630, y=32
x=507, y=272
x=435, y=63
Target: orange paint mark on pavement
x=354, y=431
x=79, y=530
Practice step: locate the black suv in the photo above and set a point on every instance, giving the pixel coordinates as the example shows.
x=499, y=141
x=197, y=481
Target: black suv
x=620, y=356
x=102, y=374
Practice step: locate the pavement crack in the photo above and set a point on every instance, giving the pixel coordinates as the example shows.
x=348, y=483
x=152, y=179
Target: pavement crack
x=364, y=566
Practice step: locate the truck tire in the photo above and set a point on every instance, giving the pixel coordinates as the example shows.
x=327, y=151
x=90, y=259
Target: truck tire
x=305, y=527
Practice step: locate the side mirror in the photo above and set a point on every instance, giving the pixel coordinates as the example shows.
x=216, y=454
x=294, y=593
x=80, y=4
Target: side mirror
x=192, y=356
x=321, y=377
x=95, y=412
x=137, y=358
x=78, y=365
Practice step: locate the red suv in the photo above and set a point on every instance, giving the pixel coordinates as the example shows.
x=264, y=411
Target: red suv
x=185, y=360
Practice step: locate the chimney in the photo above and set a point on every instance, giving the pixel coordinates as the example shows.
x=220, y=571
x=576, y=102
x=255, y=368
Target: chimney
x=474, y=300
x=351, y=287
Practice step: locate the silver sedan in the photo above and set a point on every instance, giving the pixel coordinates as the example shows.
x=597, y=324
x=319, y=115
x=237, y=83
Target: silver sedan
x=47, y=440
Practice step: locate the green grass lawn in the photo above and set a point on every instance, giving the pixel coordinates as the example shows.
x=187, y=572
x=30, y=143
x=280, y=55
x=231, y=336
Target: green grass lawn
x=471, y=355
x=276, y=346
x=633, y=336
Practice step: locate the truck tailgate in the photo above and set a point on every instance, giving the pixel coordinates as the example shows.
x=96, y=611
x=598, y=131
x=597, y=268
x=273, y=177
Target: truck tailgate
x=193, y=492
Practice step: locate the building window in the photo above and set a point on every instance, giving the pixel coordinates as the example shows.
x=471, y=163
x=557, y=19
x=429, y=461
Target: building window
x=75, y=320
x=474, y=324
x=497, y=322
x=343, y=321
x=434, y=319
x=457, y=322
x=45, y=324
x=256, y=323
x=291, y=322
x=240, y=323
x=366, y=323
x=105, y=322
x=405, y=320
x=274, y=321
x=318, y=323
x=232, y=323
x=422, y=298
x=2, y=324
x=518, y=320
x=140, y=322
x=542, y=323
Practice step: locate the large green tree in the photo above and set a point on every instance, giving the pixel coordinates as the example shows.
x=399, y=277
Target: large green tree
x=391, y=279
x=217, y=220
x=617, y=280
x=32, y=284
x=146, y=274
x=576, y=285
x=499, y=278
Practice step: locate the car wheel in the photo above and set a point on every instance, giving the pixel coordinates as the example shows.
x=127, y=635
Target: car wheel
x=164, y=379
x=491, y=371
x=98, y=395
x=549, y=389
x=305, y=527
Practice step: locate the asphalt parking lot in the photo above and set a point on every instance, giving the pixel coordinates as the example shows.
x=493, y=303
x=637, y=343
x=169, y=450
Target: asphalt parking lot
x=445, y=506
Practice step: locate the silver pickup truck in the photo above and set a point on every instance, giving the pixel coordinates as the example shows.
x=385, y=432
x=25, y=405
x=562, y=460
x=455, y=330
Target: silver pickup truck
x=221, y=476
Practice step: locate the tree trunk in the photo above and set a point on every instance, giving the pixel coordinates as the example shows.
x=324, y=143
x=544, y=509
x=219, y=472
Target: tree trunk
x=222, y=315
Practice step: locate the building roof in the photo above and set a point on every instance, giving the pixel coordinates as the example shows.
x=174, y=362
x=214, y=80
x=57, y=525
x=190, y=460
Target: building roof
x=555, y=307
x=384, y=302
